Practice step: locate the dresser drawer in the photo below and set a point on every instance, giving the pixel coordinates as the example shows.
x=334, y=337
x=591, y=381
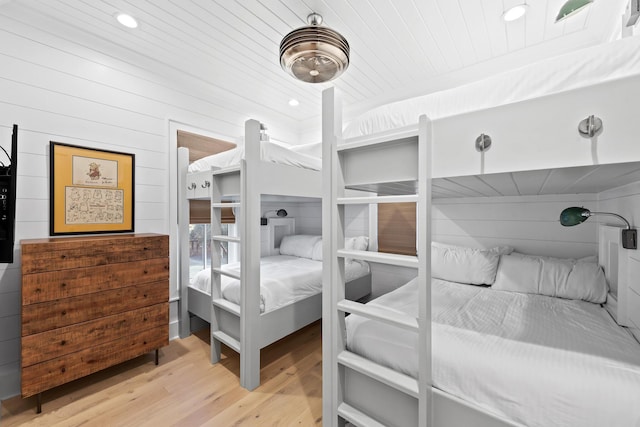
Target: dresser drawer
x=43, y=376
x=41, y=287
x=64, y=254
x=58, y=342
x=49, y=315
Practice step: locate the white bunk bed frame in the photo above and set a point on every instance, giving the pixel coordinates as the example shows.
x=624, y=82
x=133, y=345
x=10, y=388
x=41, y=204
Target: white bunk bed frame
x=362, y=392
x=242, y=327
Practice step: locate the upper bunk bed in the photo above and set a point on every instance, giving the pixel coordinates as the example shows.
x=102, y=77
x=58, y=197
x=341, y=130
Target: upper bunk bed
x=536, y=150
x=257, y=301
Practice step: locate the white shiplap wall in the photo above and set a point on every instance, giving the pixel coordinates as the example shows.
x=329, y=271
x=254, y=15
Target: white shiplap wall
x=81, y=90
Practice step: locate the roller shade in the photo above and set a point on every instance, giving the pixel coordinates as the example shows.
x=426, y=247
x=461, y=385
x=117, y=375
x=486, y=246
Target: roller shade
x=397, y=228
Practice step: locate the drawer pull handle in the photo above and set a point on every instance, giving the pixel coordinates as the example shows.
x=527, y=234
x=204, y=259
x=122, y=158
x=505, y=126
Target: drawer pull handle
x=145, y=295
x=64, y=312
x=38, y=290
x=192, y=186
x=145, y=248
x=63, y=342
x=144, y=319
x=63, y=256
x=144, y=342
x=63, y=369
x=146, y=272
x=64, y=285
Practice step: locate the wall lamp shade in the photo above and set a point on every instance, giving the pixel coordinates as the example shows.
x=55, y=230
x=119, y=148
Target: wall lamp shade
x=279, y=212
x=575, y=215
x=571, y=7
x=313, y=53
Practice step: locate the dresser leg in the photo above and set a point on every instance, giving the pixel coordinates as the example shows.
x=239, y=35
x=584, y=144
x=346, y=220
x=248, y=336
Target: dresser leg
x=38, y=403
x=157, y=357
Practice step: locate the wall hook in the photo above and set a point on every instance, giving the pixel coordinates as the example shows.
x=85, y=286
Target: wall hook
x=590, y=127
x=483, y=143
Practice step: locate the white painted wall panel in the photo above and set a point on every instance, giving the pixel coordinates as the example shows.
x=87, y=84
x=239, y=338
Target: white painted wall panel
x=81, y=90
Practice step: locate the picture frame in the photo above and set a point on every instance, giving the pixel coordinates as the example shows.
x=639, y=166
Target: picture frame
x=91, y=191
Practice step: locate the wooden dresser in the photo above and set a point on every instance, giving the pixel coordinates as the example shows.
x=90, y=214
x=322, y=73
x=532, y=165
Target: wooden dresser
x=91, y=302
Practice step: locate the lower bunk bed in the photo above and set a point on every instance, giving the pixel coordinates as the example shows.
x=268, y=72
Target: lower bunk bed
x=290, y=291
x=518, y=358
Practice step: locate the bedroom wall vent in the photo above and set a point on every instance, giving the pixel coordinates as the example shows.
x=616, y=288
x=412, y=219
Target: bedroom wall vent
x=313, y=53
x=575, y=215
x=571, y=7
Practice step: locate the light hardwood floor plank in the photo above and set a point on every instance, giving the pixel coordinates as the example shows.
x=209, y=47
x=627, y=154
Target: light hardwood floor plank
x=186, y=390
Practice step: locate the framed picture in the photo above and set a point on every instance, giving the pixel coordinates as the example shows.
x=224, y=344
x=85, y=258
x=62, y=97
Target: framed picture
x=92, y=191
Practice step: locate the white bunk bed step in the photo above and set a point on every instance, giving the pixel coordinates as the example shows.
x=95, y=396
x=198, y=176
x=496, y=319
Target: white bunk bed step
x=228, y=340
x=226, y=273
x=227, y=170
x=408, y=198
x=356, y=417
x=226, y=205
x=227, y=306
x=395, y=379
x=396, y=135
x=380, y=314
x=224, y=238
x=380, y=257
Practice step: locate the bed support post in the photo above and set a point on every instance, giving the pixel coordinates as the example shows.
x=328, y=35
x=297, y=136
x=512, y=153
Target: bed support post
x=332, y=389
x=250, y=259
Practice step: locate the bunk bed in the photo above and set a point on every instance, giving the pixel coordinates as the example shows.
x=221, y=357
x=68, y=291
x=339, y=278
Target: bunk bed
x=239, y=179
x=377, y=362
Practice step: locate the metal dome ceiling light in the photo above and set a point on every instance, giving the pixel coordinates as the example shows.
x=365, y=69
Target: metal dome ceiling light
x=313, y=53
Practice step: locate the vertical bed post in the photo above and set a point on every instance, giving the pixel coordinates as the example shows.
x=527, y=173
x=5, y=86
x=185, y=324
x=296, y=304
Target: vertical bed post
x=250, y=259
x=425, y=407
x=333, y=239
x=183, y=242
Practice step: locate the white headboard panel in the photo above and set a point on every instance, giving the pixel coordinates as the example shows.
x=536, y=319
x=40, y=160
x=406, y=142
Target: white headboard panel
x=622, y=270
x=271, y=234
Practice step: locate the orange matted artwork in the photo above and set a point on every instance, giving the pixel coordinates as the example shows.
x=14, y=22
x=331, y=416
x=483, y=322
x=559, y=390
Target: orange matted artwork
x=92, y=191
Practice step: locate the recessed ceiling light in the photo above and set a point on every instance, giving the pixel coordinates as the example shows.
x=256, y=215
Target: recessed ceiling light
x=514, y=13
x=127, y=20
x=294, y=102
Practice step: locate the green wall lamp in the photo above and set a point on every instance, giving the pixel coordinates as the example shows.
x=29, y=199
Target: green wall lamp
x=571, y=7
x=575, y=215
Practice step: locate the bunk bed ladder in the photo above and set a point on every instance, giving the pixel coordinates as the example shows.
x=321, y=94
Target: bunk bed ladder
x=336, y=358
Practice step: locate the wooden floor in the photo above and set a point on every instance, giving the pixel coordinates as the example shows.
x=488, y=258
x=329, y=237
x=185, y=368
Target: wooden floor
x=186, y=390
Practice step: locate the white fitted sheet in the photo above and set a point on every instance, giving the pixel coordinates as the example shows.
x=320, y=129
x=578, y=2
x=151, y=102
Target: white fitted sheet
x=284, y=280
x=582, y=68
x=269, y=152
x=537, y=360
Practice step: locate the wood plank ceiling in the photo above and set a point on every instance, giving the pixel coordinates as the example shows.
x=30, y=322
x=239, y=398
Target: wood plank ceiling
x=400, y=48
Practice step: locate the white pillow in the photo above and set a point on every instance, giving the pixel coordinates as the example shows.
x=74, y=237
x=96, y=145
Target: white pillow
x=360, y=243
x=300, y=245
x=555, y=277
x=463, y=265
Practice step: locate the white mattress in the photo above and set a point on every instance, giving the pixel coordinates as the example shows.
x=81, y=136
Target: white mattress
x=269, y=152
x=537, y=360
x=285, y=280
x=582, y=68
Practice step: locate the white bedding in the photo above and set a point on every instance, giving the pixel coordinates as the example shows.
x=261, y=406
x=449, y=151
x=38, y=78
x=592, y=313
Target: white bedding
x=269, y=152
x=285, y=280
x=581, y=68
x=537, y=360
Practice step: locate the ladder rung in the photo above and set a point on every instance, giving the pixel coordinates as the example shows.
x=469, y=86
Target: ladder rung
x=395, y=379
x=226, y=273
x=227, y=306
x=380, y=314
x=377, y=199
x=223, y=238
x=226, y=339
x=357, y=417
x=379, y=257
x=226, y=205
x=378, y=138
x=227, y=170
